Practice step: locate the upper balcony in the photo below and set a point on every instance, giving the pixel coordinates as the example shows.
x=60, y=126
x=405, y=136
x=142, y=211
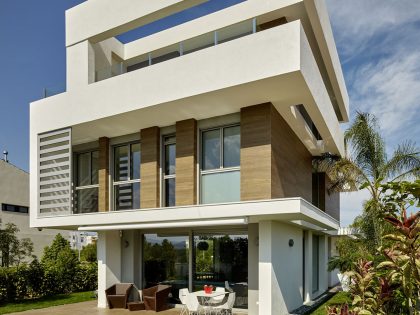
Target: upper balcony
x=275, y=65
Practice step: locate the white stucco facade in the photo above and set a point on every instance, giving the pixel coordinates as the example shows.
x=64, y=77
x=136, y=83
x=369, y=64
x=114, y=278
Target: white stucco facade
x=207, y=70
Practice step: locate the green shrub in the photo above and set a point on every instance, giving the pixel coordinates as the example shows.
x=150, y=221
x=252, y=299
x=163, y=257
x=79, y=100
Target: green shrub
x=86, y=277
x=58, y=272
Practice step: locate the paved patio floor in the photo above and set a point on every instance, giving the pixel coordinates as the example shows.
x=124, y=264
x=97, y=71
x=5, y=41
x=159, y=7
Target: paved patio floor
x=89, y=308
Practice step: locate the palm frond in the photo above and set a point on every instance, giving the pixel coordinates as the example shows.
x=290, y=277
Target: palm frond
x=365, y=145
x=405, y=162
x=345, y=176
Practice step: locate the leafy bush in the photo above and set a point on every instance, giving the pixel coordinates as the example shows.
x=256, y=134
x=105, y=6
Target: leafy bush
x=86, y=277
x=58, y=272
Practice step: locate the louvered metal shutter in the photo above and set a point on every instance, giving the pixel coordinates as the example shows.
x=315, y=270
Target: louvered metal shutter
x=54, y=176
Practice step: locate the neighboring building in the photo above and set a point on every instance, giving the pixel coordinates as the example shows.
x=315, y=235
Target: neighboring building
x=14, y=203
x=78, y=240
x=190, y=151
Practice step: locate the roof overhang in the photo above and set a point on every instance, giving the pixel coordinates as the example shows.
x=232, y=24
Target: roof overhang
x=289, y=210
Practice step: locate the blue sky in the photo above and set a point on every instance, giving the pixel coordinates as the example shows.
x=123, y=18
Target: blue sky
x=378, y=43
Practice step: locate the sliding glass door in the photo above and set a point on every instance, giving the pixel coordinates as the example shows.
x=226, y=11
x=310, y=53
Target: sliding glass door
x=165, y=261
x=221, y=259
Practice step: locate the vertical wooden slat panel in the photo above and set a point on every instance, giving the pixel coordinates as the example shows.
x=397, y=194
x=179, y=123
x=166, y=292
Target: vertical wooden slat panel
x=186, y=160
x=150, y=161
x=103, y=174
x=255, y=152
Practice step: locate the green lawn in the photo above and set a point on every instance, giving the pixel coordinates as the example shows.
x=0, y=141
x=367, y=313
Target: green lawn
x=55, y=300
x=337, y=299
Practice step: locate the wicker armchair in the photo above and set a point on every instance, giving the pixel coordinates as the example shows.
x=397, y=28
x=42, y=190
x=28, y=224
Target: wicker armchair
x=155, y=298
x=117, y=295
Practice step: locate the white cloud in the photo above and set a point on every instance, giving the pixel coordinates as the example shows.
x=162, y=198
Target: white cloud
x=390, y=89
x=356, y=21
x=379, y=46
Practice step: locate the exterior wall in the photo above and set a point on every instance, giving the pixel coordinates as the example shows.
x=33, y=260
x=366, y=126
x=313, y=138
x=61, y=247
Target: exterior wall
x=332, y=251
x=332, y=201
x=253, y=243
x=256, y=146
x=186, y=160
x=280, y=268
x=149, y=168
x=109, y=263
x=291, y=169
x=284, y=165
x=130, y=254
x=14, y=189
x=80, y=65
x=328, y=202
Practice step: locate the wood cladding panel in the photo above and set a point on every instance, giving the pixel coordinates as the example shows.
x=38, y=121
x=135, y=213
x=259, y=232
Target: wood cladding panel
x=149, y=168
x=103, y=174
x=186, y=160
x=291, y=162
x=274, y=162
x=255, y=152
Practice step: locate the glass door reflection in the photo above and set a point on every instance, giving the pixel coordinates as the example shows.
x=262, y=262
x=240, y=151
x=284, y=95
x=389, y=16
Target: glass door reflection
x=165, y=261
x=220, y=259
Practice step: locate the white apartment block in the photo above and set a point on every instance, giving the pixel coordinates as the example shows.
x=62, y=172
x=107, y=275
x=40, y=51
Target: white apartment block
x=190, y=151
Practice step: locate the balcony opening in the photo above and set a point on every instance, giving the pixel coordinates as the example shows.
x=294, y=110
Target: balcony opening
x=309, y=121
x=193, y=13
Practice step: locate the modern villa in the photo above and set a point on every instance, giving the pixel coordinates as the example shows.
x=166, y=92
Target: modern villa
x=190, y=150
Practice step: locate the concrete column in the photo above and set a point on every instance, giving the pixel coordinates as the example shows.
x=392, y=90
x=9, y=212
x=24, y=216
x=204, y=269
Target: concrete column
x=279, y=274
x=109, y=263
x=130, y=257
x=80, y=65
x=103, y=174
x=308, y=267
x=186, y=160
x=323, y=263
x=253, y=241
x=150, y=162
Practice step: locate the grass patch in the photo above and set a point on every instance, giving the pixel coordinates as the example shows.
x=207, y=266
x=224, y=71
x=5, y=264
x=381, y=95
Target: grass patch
x=59, y=299
x=337, y=299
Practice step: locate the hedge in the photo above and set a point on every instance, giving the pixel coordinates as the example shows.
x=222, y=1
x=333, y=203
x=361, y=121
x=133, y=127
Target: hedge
x=37, y=280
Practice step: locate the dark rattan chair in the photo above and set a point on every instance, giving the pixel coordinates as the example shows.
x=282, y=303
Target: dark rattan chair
x=156, y=298
x=117, y=295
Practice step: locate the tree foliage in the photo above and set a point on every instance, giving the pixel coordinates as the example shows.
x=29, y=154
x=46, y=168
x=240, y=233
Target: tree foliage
x=366, y=166
x=88, y=253
x=12, y=249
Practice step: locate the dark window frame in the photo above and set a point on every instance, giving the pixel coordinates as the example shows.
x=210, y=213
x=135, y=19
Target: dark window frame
x=16, y=208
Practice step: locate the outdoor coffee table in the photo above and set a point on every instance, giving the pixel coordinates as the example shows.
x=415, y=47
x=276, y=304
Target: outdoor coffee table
x=206, y=299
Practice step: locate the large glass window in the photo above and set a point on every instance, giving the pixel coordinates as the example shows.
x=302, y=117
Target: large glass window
x=221, y=258
x=165, y=261
x=86, y=182
x=220, y=165
x=127, y=176
x=169, y=159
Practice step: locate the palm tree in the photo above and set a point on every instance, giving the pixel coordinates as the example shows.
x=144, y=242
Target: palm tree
x=366, y=165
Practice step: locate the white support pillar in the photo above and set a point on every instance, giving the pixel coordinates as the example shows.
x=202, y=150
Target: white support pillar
x=279, y=271
x=80, y=65
x=308, y=267
x=130, y=257
x=323, y=263
x=253, y=243
x=109, y=262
